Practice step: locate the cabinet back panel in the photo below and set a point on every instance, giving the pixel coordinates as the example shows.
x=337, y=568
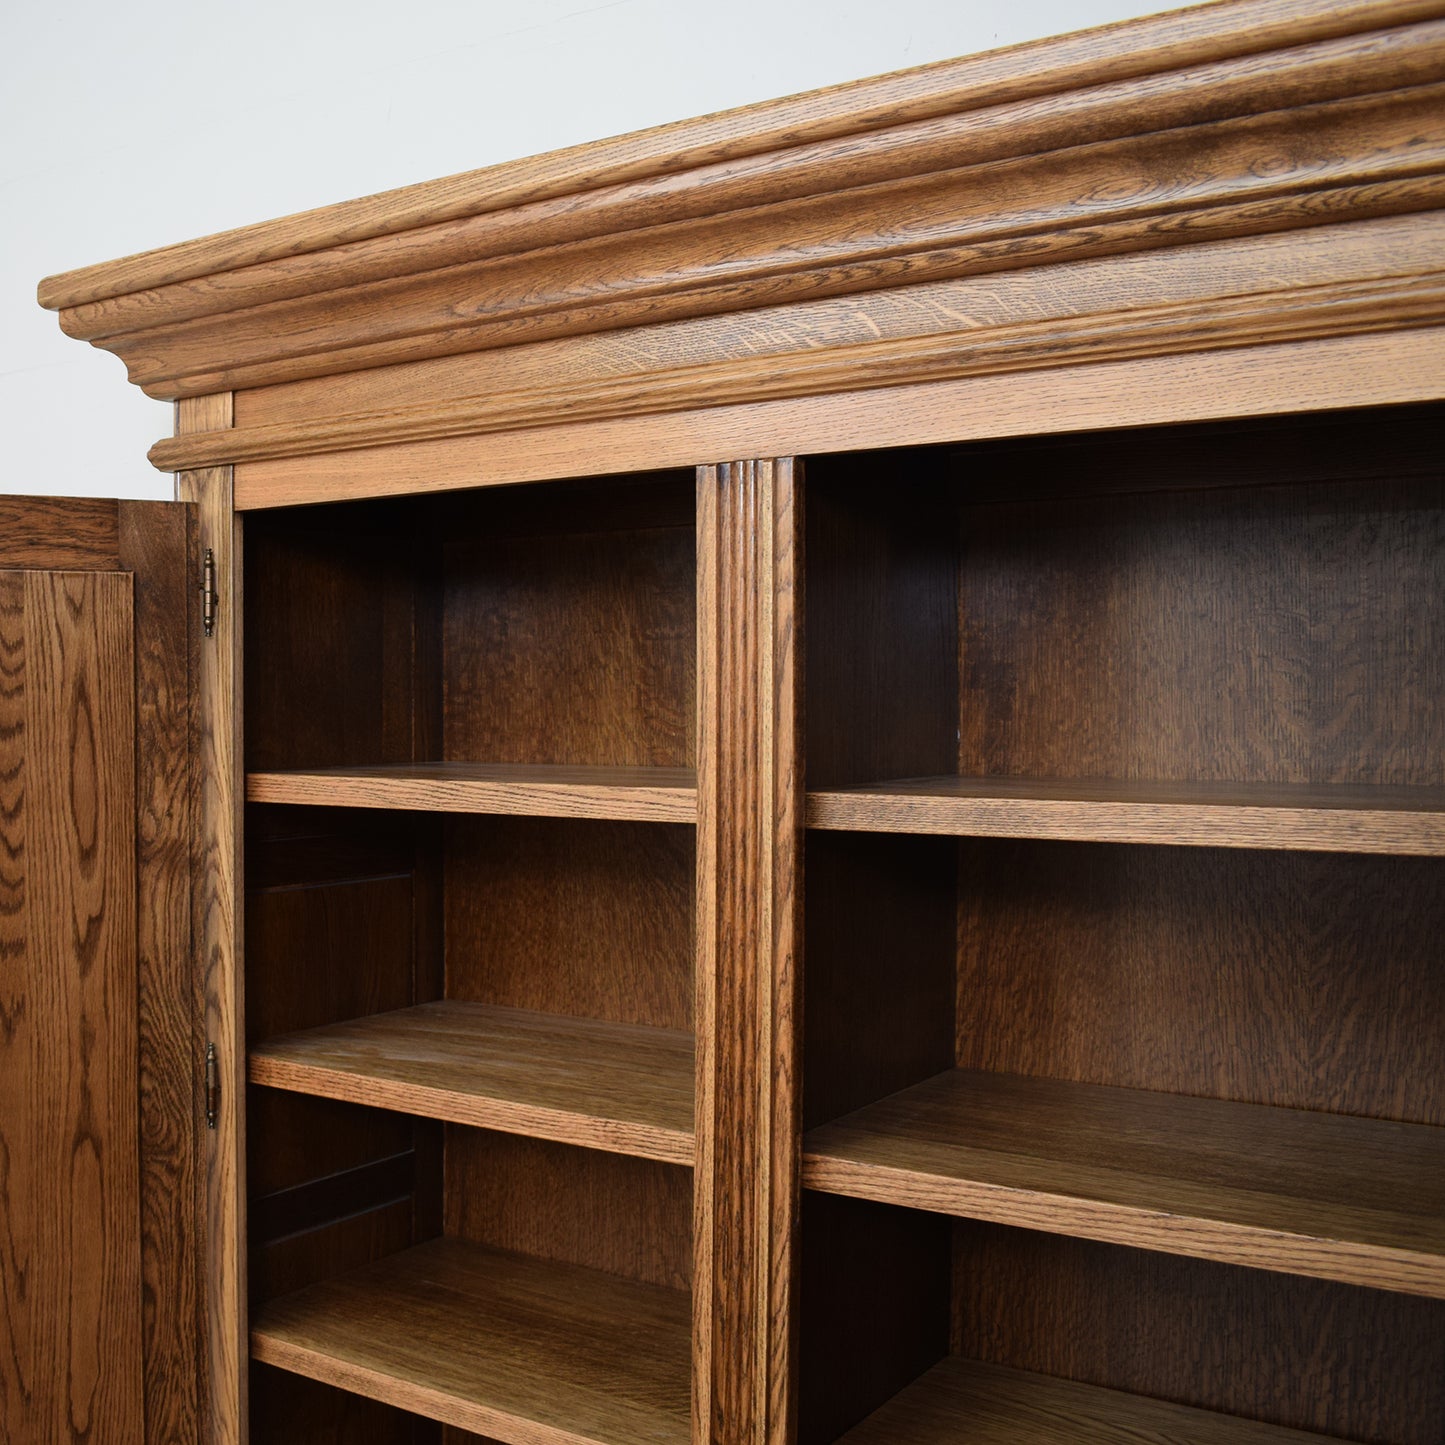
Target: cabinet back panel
x=874, y=1302
x=1313, y=981
x=340, y=639
x=1273, y=634
x=881, y=635
x=632, y=1217
x=578, y=917
x=572, y=648
x=1307, y=1354
x=878, y=974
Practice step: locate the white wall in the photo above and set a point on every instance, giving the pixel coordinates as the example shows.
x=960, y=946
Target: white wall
x=129, y=124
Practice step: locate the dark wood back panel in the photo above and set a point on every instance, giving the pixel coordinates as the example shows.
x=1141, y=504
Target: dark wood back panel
x=881, y=633
x=632, y=1217
x=1358, y=1363
x=1271, y=634
x=572, y=647
x=572, y=916
x=1307, y=980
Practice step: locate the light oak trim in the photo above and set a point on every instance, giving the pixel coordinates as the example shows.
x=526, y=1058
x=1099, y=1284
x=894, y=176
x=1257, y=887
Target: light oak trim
x=1326, y=1195
x=217, y=928
x=1204, y=132
x=623, y=1088
x=1357, y=307
x=648, y=795
x=748, y=919
x=1256, y=381
x=1109, y=55
x=522, y=1349
x=1339, y=819
x=991, y=1405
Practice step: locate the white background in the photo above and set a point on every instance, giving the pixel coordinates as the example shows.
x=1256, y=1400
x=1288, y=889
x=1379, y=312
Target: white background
x=129, y=124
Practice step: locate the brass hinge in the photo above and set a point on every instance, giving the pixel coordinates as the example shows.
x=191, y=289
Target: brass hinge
x=210, y=598
x=213, y=1086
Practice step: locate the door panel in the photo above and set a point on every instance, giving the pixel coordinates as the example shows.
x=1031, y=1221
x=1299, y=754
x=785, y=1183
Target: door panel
x=70, y=1289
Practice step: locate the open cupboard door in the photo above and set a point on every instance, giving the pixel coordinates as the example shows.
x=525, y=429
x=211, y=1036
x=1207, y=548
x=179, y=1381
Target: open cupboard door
x=99, y=1093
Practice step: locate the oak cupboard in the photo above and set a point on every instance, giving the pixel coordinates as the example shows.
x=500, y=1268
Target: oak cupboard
x=781, y=780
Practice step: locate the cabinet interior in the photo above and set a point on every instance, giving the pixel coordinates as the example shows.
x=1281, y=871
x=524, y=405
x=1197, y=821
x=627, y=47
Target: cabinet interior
x=511, y=979
x=1026, y=1054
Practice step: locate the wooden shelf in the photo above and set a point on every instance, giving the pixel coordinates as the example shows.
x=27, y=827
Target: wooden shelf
x=1357, y=1200
x=521, y=1350
x=658, y=795
x=988, y=1405
x=620, y=1087
x=1344, y=819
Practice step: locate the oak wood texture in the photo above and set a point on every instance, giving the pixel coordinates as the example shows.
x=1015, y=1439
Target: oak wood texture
x=982, y=187
x=1358, y=1200
x=527, y=1352
x=59, y=533
x=664, y=795
x=1303, y=1354
x=1338, y=818
x=1269, y=379
x=618, y=1087
x=156, y=541
x=217, y=927
x=1302, y=980
x=965, y=1399
x=629, y=1217
x=72, y=1366
x=748, y=946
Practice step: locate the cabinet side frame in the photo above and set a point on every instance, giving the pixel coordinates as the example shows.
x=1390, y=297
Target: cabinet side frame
x=217, y=923
x=748, y=911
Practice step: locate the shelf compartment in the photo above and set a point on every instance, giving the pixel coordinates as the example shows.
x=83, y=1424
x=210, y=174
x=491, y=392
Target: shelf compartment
x=1356, y=1200
x=964, y=1399
x=624, y=1088
x=1324, y=818
x=658, y=795
x=525, y=1351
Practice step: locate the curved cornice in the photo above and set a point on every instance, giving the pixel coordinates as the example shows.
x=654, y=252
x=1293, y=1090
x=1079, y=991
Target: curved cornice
x=1241, y=120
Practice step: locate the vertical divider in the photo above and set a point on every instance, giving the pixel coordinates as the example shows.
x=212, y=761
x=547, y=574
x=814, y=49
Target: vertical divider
x=749, y=910
x=218, y=917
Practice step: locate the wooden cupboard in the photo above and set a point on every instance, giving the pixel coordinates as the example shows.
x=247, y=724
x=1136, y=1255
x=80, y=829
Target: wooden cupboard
x=789, y=781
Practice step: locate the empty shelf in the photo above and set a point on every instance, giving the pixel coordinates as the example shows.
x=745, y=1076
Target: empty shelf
x=660, y=795
x=1345, y=819
x=1357, y=1200
x=987, y=1405
x=518, y=1349
x=620, y=1087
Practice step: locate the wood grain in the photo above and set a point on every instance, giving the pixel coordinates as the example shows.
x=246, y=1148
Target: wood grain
x=539, y=790
x=1093, y=58
x=776, y=338
x=72, y=1363
x=1358, y=1200
x=1222, y=154
x=964, y=1399
x=1357, y=305
x=572, y=916
x=156, y=541
x=1313, y=661
x=1263, y=380
x=622, y=1088
x=629, y=1217
x=748, y=946
x=527, y=1352
x=217, y=923
x=1336, y=818
x=60, y=533
x=1292, y=1352
x=1303, y=980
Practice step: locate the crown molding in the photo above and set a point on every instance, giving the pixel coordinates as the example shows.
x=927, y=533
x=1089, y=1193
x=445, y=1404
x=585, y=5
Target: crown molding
x=1246, y=120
